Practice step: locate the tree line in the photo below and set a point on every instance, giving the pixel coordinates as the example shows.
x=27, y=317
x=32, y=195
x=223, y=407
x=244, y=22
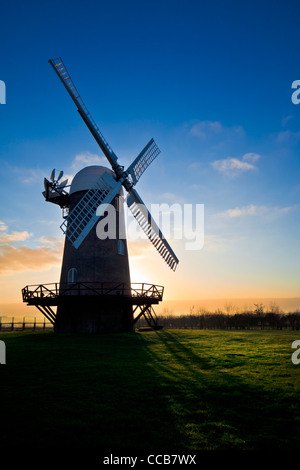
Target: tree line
x=274, y=319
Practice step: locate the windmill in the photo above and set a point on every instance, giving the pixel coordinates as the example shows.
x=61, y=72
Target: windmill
x=95, y=292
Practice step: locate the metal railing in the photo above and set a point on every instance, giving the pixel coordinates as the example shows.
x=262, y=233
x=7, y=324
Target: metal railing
x=55, y=290
x=18, y=325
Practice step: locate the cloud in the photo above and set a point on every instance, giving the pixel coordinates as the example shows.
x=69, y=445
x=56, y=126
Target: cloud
x=203, y=129
x=229, y=165
x=52, y=242
x=23, y=258
x=243, y=211
x=85, y=159
x=27, y=175
x=214, y=243
x=234, y=166
x=138, y=249
x=3, y=226
x=286, y=119
x=288, y=137
x=252, y=157
x=14, y=236
x=169, y=198
x=206, y=130
x=255, y=210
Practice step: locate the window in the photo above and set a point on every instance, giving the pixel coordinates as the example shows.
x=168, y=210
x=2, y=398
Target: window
x=72, y=275
x=121, y=249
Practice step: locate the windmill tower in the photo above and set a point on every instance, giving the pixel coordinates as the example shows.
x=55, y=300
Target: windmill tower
x=95, y=293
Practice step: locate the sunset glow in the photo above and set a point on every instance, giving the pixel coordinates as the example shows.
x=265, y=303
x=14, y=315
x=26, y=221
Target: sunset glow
x=219, y=110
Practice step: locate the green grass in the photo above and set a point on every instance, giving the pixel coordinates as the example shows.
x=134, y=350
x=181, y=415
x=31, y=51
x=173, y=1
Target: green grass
x=189, y=389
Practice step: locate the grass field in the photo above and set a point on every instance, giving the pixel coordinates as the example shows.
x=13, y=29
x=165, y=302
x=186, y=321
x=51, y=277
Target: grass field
x=164, y=390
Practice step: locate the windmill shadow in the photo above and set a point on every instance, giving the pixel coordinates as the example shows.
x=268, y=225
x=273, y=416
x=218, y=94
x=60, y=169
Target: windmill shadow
x=207, y=399
x=137, y=392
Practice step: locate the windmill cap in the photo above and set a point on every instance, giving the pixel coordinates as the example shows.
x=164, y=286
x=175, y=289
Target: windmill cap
x=87, y=177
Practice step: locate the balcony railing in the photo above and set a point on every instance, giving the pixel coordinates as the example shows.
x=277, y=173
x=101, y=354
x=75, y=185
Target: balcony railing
x=56, y=290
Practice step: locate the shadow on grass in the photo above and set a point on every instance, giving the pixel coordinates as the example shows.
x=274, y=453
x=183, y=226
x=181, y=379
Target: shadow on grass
x=218, y=410
x=83, y=391
x=147, y=392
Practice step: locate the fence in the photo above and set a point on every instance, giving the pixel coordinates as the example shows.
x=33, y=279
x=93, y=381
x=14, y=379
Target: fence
x=202, y=322
x=25, y=325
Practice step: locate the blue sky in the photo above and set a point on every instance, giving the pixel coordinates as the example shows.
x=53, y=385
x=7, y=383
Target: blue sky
x=210, y=81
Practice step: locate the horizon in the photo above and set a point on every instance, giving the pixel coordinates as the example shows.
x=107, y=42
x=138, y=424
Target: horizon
x=216, y=98
x=19, y=311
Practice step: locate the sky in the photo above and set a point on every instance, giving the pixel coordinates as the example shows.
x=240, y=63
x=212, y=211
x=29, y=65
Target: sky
x=211, y=82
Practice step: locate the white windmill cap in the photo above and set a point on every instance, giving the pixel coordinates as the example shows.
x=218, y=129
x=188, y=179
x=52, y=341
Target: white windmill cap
x=87, y=177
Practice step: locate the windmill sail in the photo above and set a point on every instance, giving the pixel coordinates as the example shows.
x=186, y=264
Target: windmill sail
x=83, y=217
x=142, y=161
x=63, y=184
x=60, y=175
x=151, y=229
x=64, y=76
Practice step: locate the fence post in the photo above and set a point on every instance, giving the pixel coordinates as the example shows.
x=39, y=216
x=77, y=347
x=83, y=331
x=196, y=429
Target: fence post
x=0, y=323
x=12, y=324
x=44, y=323
x=34, y=324
x=23, y=327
